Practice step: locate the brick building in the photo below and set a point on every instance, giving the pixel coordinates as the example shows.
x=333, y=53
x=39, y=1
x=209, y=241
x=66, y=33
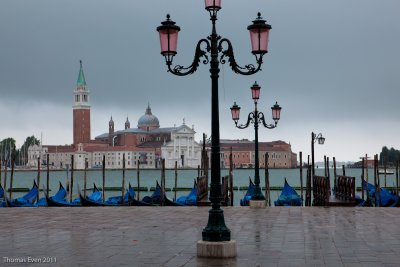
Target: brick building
x=243, y=154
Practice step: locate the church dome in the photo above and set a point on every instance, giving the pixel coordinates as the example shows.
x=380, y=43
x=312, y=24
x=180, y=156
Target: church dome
x=148, y=121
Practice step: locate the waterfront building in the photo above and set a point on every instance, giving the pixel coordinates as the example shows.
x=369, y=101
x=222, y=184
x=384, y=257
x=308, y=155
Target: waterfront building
x=182, y=148
x=243, y=155
x=171, y=143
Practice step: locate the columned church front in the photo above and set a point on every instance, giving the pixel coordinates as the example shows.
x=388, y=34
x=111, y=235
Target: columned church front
x=182, y=149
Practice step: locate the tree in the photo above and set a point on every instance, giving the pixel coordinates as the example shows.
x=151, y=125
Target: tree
x=6, y=146
x=23, y=152
x=390, y=156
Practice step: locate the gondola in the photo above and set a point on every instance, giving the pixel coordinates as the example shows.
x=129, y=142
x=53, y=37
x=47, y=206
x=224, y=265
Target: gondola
x=60, y=195
x=112, y=201
x=128, y=196
x=156, y=198
x=134, y=202
x=94, y=199
x=190, y=199
x=1, y=196
x=25, y=201
x=386, y=198
x=288, y=197
x=1, y=191
x=58, y=200
x=245, y=201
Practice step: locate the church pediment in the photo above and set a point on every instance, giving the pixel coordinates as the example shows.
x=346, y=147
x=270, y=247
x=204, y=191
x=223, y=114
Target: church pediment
x=184, y=129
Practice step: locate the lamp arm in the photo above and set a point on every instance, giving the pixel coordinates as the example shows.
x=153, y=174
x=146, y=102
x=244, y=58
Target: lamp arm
x=228, y=52
x=180, y=70
x=261, y=118
x=250, y=119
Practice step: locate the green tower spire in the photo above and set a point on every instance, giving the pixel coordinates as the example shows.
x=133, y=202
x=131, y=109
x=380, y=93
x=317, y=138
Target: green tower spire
x=81, y=78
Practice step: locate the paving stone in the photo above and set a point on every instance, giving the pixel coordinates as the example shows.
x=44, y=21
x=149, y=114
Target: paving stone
x=167, y=236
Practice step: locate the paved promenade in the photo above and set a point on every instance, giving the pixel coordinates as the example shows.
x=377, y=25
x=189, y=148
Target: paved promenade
x=167, y=236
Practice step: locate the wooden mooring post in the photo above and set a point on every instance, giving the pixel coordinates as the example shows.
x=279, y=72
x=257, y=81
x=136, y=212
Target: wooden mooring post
x=47, y=174
x=379, y=181
x=301, y=177
x=308, y=183
x=38, y=178
x=67, y=182
x=103, y=171
x=397, y=178
x=176, y=179
x=375, y=181
x=5, y=180
x=12, y=173
x=334, y=174
x=362, y=179
x=85, y=178
x=231, y=177
x=384, y=168
x=327, y=173
x=72, y=178
x=162, y=181
x=138, y=179
x=267, y=187
x=123, y=180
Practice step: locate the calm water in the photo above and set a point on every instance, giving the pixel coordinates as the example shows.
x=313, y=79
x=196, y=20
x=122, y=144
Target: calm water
x=148, y=179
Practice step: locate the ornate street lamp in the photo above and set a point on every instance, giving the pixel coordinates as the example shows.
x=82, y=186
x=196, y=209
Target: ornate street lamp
x=255, y=117
x=214, y=50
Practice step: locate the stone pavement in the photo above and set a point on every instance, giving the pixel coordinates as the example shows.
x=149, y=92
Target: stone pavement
x=167, y=236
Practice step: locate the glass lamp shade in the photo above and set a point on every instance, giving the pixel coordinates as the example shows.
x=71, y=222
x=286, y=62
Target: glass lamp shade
x=168, y=37
x=255, y=91
x=276, y=112
x=235, y=111
x=321, y=140
x=212, y=4
x=259, y=34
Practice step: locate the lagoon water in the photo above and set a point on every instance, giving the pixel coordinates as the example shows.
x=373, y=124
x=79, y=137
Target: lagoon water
x=148, y=178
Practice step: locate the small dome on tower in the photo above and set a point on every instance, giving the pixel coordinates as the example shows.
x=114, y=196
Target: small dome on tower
x=148, y=121
x=111, y=122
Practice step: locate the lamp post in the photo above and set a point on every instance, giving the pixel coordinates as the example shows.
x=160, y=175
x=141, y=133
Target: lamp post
x=255, y=117
x=214, y=50
x=321, y=141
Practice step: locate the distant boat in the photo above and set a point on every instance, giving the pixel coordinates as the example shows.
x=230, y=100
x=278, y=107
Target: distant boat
x=382, y=171
x=245, y=166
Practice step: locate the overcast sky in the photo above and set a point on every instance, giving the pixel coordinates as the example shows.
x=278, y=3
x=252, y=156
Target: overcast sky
x=333, y=66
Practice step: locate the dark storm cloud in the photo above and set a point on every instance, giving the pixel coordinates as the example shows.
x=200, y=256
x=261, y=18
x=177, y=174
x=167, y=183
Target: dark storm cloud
x=329, y=62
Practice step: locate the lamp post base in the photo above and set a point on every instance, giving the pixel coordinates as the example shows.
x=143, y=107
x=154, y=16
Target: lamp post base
x=220, y=249
x=258, y=204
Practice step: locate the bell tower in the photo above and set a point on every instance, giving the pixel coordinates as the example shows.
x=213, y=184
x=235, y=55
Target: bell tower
x=127, y=123
x=81, y=110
